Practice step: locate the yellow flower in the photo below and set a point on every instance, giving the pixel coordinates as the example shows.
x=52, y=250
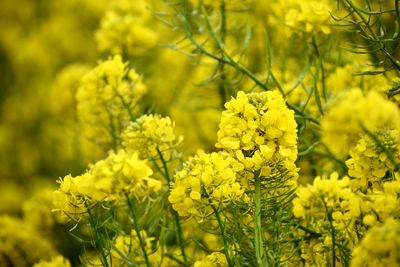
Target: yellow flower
x=125, y=29
x=351, y=113
x=326, y=201
x=258, y=122
x=149, y=133
x=127, y=250
x=206, y=179
x=215, y=259
x=107, y=180
x=57, y=261
x=107, y=99
x=379, y=247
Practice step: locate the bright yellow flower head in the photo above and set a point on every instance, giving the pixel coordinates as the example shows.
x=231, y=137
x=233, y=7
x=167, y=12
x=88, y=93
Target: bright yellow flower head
x=351, y=113
x=107, y=180
x=127, y=249
x=326, y=201
x=370, y=159
x=124, y=29
x=215, y=259
x=205, y=179
x=379, y=247
x=257, y=128
x=57, y=261
x=107, y=99
x=149, y=133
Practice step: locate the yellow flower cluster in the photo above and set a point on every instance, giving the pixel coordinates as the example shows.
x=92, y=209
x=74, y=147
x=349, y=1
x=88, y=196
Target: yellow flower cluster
x=351, y=113
x=127, y=247
x=107, y=180
x=206, y=179
x=298, y=16
x=309, y=16
x=381, y=204
x=107, y=99
x=125, y=29
x=57, y=261
x=215, y=259
x=370, y=161
x=325, y=206
x=379, y=247
x=150, y=133
x=257, y=128
x=218, y=3
x=20, y=244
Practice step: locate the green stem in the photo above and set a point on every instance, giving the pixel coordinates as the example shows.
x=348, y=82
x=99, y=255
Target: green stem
x=258, y=240
x=175, y=214
x=136, y=227
x=221, y=65
x=222, y=229
x=330, y=219
x=97, y=242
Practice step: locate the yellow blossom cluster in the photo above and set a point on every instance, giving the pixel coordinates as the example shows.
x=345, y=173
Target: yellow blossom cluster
x=205, y=180
x=381, y=204
x=110, y=179
x=128, y=247
x=124, y=29
x=308, y=16
x=326, y=206
x=57, y=261
x=379, y=247
x=256, y=128
x=215, y=259
x=301, y=16
x=107, y=99
x=151, y=135
x=372, y=158
x=351, y=113
x=21, y=245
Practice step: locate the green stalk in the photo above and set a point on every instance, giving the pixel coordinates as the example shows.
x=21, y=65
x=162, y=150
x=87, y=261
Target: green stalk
x=221, y=65
x=330, y=219
x=97, y=242
x=137, y=230
x=222, y=229
x=258, y=240
x=175, y=214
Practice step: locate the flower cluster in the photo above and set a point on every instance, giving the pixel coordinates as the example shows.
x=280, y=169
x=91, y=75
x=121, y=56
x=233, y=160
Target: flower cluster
x=381, y=204
x=257, y=128
x=309, y=16
x=57, y=261
x=21, y=245
x=151, y=135
x=326, y=206
x=107, y=100
x=379, y=247
x=128, y=247
x=215, y=259
x=107, y=180
x=206, y=180
x=351, y=114
x=124, y=29
x=370, y=159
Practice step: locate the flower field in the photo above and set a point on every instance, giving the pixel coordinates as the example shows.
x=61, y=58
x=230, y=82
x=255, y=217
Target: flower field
x=199, y=133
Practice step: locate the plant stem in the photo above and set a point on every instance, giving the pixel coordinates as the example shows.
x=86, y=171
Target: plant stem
x=175, y=214
x=136, y=227
x=221, y=65
x=329, y=215
x=222, y=229
x=97, y=242
x=258, y=240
